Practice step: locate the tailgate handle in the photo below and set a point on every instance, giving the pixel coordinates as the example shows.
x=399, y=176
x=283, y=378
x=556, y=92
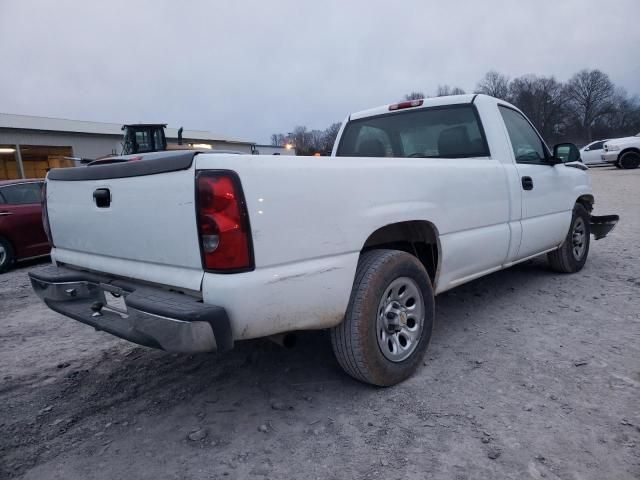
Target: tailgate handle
x=102, y=197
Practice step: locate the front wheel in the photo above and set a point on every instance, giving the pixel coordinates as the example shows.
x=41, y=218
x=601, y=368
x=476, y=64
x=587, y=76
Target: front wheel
x=389, y=319
x=629, y=160
x=6, y=255
x=572, y=254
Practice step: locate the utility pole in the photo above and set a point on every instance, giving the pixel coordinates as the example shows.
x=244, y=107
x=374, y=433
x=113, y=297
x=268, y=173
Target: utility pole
x=19, y=161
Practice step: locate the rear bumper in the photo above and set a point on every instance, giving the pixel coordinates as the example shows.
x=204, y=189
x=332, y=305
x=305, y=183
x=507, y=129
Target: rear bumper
x=152, y=317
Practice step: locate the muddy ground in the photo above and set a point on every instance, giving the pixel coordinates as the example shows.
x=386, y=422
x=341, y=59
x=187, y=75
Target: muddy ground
x=530, y=374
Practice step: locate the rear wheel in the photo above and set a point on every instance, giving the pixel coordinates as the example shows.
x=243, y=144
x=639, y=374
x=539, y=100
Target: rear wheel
x=7, y=256
x=389, y=319
x=629, y=160
x=572, y=255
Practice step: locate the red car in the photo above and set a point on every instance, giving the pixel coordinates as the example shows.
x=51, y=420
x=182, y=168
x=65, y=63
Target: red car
x=21, y=232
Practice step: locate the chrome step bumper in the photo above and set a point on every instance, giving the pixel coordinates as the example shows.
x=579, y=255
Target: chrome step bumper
x=145, y=315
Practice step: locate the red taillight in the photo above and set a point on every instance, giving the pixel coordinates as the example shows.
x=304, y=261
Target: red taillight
x=222, y=222
x=45, y=213
x=408, y=104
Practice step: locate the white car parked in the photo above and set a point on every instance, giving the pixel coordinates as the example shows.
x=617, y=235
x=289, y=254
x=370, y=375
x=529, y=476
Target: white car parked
x=591, y=154
x=190, y=251
x=623, y=152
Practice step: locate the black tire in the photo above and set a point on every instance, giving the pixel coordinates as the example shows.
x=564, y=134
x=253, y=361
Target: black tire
x=355, y=341
x=7, y=256
x=629, y=160
x=617, y=164
x=569, y=258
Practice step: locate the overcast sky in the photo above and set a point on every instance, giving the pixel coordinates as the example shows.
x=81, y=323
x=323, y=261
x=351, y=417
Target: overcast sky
x=247, y=69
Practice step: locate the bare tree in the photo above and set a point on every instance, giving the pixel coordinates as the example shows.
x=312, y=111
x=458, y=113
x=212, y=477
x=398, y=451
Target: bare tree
x=301, y=139
x=309, y=142
x=542, y=100
x=590, y=96
x=330, y=135
x=444, y=90
x=624, y=118
x=277, y=140
x=316, y=138
x=494, y=84
x=414, y=96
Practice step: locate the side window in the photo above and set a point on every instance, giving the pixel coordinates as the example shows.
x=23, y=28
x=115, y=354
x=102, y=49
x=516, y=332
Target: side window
x=22, y=193
x=373, y=142
x=157, y=140
x=596, y=146
x=143, y=140
x=527, y=145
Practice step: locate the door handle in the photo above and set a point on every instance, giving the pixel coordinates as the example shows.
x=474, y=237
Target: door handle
x=102, y=197
x=527, y=183
x=4, y=214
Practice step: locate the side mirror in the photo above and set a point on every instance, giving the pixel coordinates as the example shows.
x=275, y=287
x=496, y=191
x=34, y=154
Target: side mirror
x=566, y=152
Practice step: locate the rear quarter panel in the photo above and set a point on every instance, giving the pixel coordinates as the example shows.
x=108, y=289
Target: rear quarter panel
x=310, y=217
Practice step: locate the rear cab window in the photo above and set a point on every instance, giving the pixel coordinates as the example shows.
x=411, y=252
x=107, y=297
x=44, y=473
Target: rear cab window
x=453, y=131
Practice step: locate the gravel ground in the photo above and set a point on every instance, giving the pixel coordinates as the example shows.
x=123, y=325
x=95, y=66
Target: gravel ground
x=530, y=374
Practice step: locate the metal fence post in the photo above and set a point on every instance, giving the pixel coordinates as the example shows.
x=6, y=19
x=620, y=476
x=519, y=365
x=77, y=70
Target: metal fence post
x=19, y=161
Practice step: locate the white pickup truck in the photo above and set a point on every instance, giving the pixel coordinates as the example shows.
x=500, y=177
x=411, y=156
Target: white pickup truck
x=191, y=251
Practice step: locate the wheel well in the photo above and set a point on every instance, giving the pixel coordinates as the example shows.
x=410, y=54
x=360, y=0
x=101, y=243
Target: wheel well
x=627, y=150
x=586, y=201
x=417, y=237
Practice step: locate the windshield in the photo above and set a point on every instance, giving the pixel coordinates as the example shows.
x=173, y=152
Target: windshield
x=450, y=132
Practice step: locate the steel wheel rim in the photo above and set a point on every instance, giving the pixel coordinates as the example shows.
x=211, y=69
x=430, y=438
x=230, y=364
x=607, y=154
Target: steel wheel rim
x=3, y=255
x=400, y=319
x=578, y=239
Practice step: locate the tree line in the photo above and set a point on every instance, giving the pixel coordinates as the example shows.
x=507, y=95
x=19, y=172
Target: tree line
x=587, y=107
x=308, y=142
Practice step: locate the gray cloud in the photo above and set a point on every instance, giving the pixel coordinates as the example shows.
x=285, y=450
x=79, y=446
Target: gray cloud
x=250, y=68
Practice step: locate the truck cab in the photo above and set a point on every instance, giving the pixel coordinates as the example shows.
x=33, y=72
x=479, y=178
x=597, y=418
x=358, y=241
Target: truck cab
x=144, y=138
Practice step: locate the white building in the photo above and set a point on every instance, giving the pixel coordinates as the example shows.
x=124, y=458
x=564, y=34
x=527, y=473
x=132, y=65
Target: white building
x=273, y=150
x=29, y=145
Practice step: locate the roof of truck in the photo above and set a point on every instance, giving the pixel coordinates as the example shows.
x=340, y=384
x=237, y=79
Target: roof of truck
x=427, y=102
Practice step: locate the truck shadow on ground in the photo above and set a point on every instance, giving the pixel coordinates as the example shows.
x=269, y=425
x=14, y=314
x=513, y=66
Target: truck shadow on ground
x=124, y=384
x=167, y=379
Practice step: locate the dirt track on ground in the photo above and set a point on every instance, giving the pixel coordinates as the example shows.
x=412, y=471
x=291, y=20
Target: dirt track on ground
x=530, y=374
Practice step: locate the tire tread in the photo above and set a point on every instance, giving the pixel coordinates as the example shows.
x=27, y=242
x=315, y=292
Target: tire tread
x=561, y=260
x=348, y=350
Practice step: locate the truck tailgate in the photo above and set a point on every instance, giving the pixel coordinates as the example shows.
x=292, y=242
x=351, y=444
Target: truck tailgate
x=141, y=226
